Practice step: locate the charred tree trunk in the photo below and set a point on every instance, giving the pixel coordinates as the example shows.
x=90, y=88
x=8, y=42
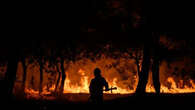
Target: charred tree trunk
x=145, y=30
x=63, y=75
x=58, y=80
x=155, y=75
x=24, y=75
x=41, y=75
x=155, y=67
x=10, y=76
x=143, y=76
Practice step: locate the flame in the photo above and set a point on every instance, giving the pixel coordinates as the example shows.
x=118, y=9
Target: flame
x=120, y=72
x=176, y=89
x=84, y=87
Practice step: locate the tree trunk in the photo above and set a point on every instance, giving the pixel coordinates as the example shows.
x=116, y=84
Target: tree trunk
x=145, y=30
x=143, y=76
x=155, y=71
x=41, y=75
x=58, y=80
x=24, y=75
x=155, y=67
x=63, y=76
x=10, y=76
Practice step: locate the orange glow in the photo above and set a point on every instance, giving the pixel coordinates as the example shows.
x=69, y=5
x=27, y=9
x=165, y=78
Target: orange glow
x=84, y=87
x=120, y=72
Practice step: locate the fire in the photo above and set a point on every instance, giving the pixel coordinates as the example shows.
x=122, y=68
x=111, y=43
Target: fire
x=119, y=89
x=174, y=89
x=120, y=72
x=84, y=87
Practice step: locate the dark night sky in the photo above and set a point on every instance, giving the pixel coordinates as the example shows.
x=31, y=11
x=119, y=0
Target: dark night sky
x=48, y=20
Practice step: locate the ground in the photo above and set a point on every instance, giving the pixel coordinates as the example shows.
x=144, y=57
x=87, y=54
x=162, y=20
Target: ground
x=78, y=101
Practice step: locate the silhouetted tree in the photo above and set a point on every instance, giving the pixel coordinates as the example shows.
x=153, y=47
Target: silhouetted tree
x=156, y=62
x=10, y=76
x=143, y=75
x=24, y=74
x=63, y=75
x=59, y=76
x=41, y=73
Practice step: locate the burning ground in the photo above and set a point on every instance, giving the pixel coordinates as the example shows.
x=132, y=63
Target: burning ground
x=118, y=68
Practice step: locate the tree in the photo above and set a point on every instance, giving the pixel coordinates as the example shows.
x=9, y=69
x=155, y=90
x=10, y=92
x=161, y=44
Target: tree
x=10, y=76
x=59, y=76
x=156, y=62
x=63, y=75
x=24, y=74
x=41, y=73
x=63, y=53
x=143, y=74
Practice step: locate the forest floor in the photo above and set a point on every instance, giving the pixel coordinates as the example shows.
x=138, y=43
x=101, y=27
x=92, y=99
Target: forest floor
x=111, y=101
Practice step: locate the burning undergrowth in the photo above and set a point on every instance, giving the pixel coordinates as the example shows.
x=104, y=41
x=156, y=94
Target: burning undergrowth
x=118, y=68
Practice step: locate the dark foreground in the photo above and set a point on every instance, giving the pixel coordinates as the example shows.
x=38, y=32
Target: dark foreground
x=147, y=101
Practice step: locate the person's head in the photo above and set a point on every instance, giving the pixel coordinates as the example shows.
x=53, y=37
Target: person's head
x=97, y=72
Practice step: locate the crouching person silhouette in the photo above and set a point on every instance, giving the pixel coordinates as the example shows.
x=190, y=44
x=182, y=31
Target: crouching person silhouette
x=96, y=87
